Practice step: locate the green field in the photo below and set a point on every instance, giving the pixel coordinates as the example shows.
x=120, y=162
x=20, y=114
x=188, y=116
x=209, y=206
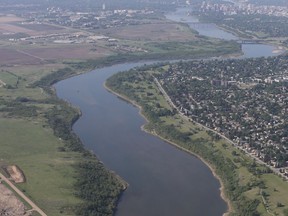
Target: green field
x=49, y=173
x=9, y=78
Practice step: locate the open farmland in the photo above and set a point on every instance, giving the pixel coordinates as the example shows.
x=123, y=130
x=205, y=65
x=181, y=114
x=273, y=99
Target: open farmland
x=10, y=18
x=12, y=57
x=11, y=24
x=6, y=28
x=68, y=52
x=30, y=73
x=30, y=29
x=35, y=52
x=160, y=31
x=39, y=27
x=36, y=55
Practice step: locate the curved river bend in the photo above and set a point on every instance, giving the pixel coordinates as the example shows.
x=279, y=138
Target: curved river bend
x=162, y=179
x=212, y=30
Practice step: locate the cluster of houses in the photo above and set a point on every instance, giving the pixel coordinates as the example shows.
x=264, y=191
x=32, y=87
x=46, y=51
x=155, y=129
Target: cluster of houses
x=251, y=114
x=85, y=27
x=101, y=19
x=244, y=8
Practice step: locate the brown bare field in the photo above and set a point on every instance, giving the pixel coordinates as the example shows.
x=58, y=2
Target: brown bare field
x=39, y=27
x=162, y=31
x=10, y=18
x=68, y=52
x=12, y=24
x=16, y=174
x=12, y=57
x=36, y=55
x=9, y=204
x=10, y=28
x=30, y=29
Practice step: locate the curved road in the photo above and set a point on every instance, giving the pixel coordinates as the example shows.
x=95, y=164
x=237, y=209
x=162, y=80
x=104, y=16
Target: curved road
x=22, y=195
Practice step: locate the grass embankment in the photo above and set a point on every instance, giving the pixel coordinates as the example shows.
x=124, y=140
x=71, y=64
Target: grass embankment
x=245, y=182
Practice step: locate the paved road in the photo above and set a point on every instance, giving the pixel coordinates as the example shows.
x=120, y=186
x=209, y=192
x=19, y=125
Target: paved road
x=22, y=195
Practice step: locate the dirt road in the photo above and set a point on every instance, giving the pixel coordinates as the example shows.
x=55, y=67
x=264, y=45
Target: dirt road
x=2, y=83
x=22, y=195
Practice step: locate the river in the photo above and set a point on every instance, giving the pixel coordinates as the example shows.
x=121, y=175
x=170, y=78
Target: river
x=162, y=179
x=212, y=30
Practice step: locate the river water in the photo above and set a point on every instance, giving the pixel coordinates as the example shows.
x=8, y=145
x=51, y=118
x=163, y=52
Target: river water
x=162, y=179
x=212, y=30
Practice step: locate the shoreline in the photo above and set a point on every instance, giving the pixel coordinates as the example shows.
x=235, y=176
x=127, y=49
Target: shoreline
x=221, y=189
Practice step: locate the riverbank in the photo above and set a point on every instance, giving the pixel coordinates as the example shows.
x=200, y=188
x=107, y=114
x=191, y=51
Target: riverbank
x=141, y=109
x=53, y=118
x=55, y=192
x=238, y=173
x=279, y=48
x=213, y=170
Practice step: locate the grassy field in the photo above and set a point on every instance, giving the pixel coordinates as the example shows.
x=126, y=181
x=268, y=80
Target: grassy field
x=24, y=76
x=276, y=190
x=9, y=78
x=31, y=73
x=30, y=144
x=49, y=173
x=159, y=30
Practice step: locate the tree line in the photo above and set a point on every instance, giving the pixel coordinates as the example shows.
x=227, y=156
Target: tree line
x=98, y=188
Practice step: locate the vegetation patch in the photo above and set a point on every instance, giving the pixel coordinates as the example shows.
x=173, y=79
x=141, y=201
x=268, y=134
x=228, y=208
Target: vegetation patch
x=97, y=187
x=155, y=31
x=36, y=151
x=8, y=79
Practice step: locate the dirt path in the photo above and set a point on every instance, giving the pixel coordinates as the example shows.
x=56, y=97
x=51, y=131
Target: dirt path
x=23, y=52
x=22, y=195
x=2, y=83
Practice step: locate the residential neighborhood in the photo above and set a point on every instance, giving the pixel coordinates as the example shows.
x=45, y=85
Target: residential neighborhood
x=243, y=100
x=245, y=8
x=252, y=19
